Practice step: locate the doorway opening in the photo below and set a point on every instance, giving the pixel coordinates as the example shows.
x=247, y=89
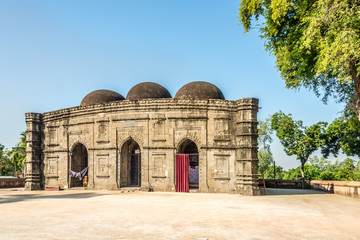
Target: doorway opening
x=190, y=149
x=78, y=164
x=130, y=164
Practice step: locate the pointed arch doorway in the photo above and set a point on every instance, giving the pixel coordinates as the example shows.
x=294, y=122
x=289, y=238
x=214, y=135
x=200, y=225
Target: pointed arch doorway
x=130, y=164
x=78, y=162
x=187, y=166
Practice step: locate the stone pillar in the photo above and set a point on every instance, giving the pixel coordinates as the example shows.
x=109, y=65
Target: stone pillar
x=246, y=153
x=34, y=123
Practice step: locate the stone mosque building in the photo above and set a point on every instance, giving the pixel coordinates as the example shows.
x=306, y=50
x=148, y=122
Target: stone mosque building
x=196, y=141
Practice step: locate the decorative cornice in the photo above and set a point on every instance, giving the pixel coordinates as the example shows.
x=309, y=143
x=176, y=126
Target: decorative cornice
x=104, y=148
x=189, y=117
x=247, y=159
x=247, y=101
x=103, y=121
x=160, y=147
x=219, y=147
x=79, y=123
x=146, y=105
x=33, y=117
x=247, y=121
x=129, y=119
x=246, y=134
x=56, y=151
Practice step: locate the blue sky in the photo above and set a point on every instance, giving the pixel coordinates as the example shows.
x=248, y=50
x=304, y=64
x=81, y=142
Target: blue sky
x=52, y=53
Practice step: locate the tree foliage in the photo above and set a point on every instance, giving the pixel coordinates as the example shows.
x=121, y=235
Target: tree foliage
x=12, y=161
x=320, y=163
x=320, y=169
x=343, y=133
x=269, y=172
x=265, y=132
x=316, y=43
x=264, y=139
x=265, y=160
x=296, y=138
x=3, y=160
x=311, y=173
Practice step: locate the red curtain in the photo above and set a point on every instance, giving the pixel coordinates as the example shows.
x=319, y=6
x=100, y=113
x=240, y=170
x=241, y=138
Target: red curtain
x=182, y=172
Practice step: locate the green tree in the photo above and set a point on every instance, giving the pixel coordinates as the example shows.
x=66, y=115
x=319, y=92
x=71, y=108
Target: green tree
x=265, y=132
x=269, y=172
x=265, y=159
x=264, y=139
x=18, y=153
x=310, y=172
x=343, y=133
x=3, y=160
x=316, y=43
x=327, y=175
x=320, y=163
x=14, y=159
x=298, y=139
x=357, y=171
x=346, y=170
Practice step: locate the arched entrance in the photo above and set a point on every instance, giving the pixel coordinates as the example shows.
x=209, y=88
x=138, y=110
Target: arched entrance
x=189, y=148
x=78, y=163
x=130, y=164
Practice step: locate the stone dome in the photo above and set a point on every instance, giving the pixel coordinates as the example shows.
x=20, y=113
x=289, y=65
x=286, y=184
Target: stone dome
x=101, y=96
x=147, y=90
x=199, y=90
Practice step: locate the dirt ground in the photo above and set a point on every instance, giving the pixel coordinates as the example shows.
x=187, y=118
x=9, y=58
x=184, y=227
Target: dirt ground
x=283, y=214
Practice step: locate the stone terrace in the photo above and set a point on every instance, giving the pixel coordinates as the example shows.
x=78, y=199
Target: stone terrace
x=290, y=214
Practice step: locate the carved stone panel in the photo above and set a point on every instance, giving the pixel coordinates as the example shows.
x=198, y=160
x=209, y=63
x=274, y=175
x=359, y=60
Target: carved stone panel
x=222, y=166
x=102, y=130
x=221, y=128
x=158, y=130
x=158, y=161
x=243, y=140
x=102, y=135
x=244, y=154
x=53, y=166
x=102, y=165
x=135, y=133
x=52, y=136
x=181, y=134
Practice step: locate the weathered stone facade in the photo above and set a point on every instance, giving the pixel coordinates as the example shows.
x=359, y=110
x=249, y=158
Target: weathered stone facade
x=107, y=137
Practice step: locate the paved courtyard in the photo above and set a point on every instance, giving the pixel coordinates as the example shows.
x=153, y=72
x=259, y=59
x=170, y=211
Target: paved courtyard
x=287, y=214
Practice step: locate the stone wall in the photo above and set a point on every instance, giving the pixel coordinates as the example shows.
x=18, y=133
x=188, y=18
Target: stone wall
x=280, y=183
x=11, y=182
x=225, y=133
x=346, y=188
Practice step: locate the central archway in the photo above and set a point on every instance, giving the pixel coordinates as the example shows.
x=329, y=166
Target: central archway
x=189, y=147
x=130, y=164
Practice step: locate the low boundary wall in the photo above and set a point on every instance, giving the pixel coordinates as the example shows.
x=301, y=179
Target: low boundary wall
x=279, y=183
x=346, y=188
x=12, y=182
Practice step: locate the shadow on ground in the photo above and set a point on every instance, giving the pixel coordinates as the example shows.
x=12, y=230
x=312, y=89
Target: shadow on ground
x=282, y=191
x=25, y=197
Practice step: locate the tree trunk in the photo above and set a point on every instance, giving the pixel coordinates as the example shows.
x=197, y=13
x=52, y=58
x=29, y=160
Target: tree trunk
x=355, y=102
x=303, y=175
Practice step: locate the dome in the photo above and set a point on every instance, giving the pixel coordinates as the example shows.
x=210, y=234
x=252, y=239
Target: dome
x=199, y=90
x=147, y=90
x=101, y=96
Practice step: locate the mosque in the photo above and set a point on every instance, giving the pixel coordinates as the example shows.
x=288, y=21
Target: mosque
x=194, y=142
